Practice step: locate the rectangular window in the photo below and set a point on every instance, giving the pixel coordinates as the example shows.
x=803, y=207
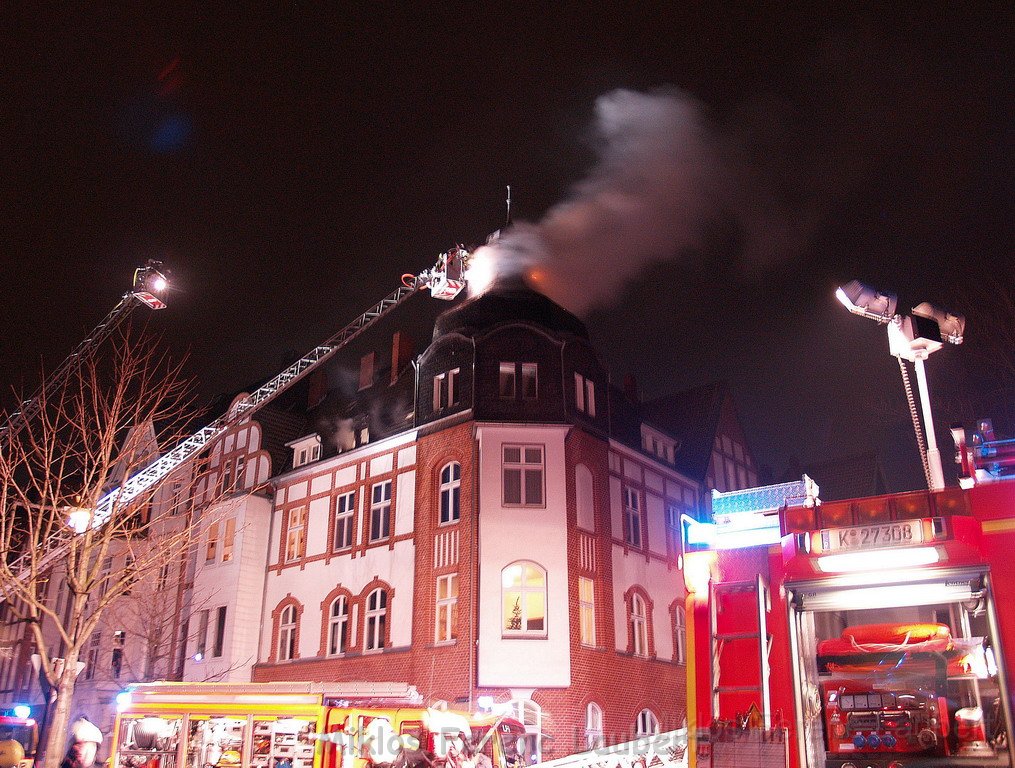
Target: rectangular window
x=587, y=610
x=344, y=505
x=163, y=578
x=579, y=392
x=679, y=635
x=439, y=388
x=672, y=530
x=201, y=641
x=585, y=394
x=177, y=500
x=240, y=481
x=523, y=475
x=445, y=389
x=529, y=381
x=295, y=540
x=227, y=539
x=92, y=658
x=220, y=632
x=454, y=396
x=632, y=517
x=116, y=660
x=227, y=477
x=380, y=511
x=507, y=381
x=447, y=608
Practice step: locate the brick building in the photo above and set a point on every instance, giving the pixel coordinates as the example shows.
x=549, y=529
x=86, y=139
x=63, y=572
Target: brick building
x=489, y=518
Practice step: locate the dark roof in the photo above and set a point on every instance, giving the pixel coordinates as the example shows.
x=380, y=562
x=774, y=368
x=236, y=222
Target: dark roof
x=279, y=427
x=692, y=417
x=508, y=300
x=848, y=477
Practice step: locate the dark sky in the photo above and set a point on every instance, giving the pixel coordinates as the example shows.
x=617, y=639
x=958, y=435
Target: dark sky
x=289, y=165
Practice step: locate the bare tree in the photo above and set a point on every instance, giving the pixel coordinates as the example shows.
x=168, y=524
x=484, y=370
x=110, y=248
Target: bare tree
x=100, y=426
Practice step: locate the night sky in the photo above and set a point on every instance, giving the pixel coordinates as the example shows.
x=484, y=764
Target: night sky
x=289, y=165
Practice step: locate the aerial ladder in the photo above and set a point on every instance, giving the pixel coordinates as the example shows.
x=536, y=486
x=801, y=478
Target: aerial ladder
x=149, y=284
x=445, y=280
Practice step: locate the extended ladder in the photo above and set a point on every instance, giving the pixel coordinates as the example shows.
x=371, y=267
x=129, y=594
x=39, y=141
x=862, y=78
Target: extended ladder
x=760, y=609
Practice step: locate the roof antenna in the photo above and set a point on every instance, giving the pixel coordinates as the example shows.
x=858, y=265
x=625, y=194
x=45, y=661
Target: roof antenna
x=507, y=221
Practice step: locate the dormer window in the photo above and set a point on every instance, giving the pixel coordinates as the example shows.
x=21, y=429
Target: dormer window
x=518, y=379
x=446, y=389
x=659, y=445
x=584, y=394
x=305, y=449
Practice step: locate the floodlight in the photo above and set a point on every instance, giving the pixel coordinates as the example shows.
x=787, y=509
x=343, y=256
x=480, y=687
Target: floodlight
x=22, y=710
x=863, y=300
x=952, y=325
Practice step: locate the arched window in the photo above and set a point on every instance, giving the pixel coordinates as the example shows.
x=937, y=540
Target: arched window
x=375, y=620
x=593, y=726
x=338, y=626
x=451, y=488
x=287, y=633
x=639, y=626
x=647, y=724
x=679, y=634
x=524, y=599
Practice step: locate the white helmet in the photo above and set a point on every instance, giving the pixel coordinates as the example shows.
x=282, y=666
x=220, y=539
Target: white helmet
x=85, y=730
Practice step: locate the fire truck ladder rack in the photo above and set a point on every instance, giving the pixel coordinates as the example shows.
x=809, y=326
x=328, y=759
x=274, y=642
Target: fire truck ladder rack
x=436, y=279
x=143, y=292
x=762, y=635
x=663, y=749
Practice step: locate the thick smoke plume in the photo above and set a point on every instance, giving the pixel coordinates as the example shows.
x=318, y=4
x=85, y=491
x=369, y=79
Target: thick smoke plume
x=663, y=173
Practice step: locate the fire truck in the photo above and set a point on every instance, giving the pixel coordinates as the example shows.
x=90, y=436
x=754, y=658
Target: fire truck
x=867, y=633
x=19, y=739
x=298, y=725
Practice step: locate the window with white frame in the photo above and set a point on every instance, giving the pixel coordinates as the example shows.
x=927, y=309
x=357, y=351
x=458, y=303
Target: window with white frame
x=523, y=475
x=447, y=608
x=338, y=626
x=646, y=724
x=287, y=633
x=201, y=644
x=523, y=599
x=507, y=384
x=658, y=444
x=380, y=511
x=632, y=517
x=446, y=389
x=530, y=715
x=296, y=534
x=344, y=510
x=450, y=492
x=593, y=726
x=375, y=620
x=240, y=480
x=305, y=449
x=587, y=610
x=679, y=634
x=639, y=626
x=92, y=657
x=228, y=539
x=584, y=394
x=673, y=529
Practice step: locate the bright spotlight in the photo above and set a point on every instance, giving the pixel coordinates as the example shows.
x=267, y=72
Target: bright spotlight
x=863, y=300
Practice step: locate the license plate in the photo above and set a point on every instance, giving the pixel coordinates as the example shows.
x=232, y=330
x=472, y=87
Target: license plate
x=881, y=536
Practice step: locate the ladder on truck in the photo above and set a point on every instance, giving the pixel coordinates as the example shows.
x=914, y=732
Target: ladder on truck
x=445, y=281
x=761, y=606
x=663, y=750
x=149, y=282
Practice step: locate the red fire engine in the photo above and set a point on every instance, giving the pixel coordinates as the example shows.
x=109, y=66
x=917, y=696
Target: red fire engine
x=856, y=634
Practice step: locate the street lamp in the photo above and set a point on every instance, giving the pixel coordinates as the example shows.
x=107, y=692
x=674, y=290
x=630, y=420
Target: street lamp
x=914, y=338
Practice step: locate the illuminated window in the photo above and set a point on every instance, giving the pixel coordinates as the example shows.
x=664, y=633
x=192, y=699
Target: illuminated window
x=228, y=539
x=338, y=626
x=647, y=724
x=380, y=511
x=211, y=550
x=375, y=620
x=523, y=475
x=679, y=634
x=286, y=633
x=523, y=599
x=639, y=626
x=296, y=534
x=450, y=492
x=632, y=517
x=344, y=508
x=593, y=726
x=587, y=610
x=447, y=608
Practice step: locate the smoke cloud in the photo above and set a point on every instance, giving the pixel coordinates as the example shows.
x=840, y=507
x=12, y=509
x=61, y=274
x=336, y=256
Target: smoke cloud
x=664, y=172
